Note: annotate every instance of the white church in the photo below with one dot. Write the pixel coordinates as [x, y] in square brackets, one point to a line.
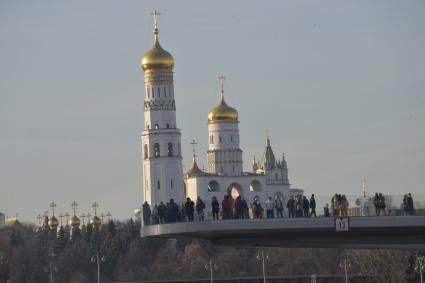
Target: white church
[163, 177]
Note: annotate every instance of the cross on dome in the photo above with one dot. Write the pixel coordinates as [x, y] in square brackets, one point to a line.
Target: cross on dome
[155, 15]
[193, 143]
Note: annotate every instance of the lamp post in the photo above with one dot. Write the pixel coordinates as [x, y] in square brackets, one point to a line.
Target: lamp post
[345, 265]
[261, 256]
[210, 266]
[98, 259]
[420, 266]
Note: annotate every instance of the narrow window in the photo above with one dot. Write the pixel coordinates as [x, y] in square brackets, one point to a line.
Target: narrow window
[170, 149]
[168, 126]
[153, 93]
[156, 150]
[220, 139]
[156, 126]
[172, 185]
[146, 154]
[159, 185]
[159, 92]
[231, 138]
[147, 126]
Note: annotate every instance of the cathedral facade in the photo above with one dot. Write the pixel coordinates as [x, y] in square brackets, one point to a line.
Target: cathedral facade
[163, 178]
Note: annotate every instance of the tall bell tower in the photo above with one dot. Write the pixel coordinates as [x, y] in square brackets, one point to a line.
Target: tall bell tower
[161, 139]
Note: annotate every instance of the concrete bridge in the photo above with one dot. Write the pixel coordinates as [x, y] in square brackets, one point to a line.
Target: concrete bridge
[388, 232]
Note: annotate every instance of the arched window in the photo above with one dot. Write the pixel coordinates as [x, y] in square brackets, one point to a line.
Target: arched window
[153, 93]
[180, 149]
[145, 151]
[156, 152]
[167, 125]
[220, 139]
[156, 126]
[255, 186]
[170, 149]
[147, 126]
[159, 185]
[172, 184]
[231, 138]
[213, 186]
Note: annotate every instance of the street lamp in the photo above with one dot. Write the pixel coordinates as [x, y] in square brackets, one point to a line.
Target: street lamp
[261, 256]
[98, 259]
[346, 265]
[420, 266]
[210, 266]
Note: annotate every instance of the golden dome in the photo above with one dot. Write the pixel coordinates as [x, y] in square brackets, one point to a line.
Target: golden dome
[95, 221]
[223, 113]
[194, 170]
[53, 222]
[74, 222]
[157, 58]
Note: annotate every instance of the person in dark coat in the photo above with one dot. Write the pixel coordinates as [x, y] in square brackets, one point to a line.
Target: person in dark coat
[326, 210]
[146, 213]
[161, 212]
[172, 210]
[244, 208]
[313, 206]
[410, 205]
[306, 206]
[290, 205]
[279, 207]
[215, 208]
[376, 203]
[189, 209]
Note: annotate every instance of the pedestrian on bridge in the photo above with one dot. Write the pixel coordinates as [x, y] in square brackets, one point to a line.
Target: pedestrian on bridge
[290, 205]
[313, 206]
[306, 206]
[189, 208]
[279, 207]
[215, 208]
[200, 209]
[269, 207]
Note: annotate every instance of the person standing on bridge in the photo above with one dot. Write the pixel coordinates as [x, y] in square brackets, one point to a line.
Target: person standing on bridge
[279, 207]
[161, 212]
[215, 208]
[243, 206]
[381, 204]
[200, 207]
[290, 205]
[410, 205]
[306, 207]
[326, 210]
[226, 208]
[189, 209]
[269, 207]
[313, 206]
[376, 203]
[146, 213]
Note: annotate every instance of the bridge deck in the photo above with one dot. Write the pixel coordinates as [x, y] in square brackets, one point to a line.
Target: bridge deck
[397, 232]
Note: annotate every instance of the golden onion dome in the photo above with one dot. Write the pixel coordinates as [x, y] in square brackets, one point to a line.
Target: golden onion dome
[75, 221]
[157, 58]
[194, 170]
[53, 222]
[223, 113]
[95, 221]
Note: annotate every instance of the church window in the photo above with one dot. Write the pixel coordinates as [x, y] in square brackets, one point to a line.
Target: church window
[220, 139]
[159, 92]
[145, 149]
[156, 150]
[172, 185]
[153, 93]
[213, 186]
[159, 185]
[156, 126]
[231, 138]
[168, 126]
[165, 91]
[147, 126]
[170, 149]
[180, 149]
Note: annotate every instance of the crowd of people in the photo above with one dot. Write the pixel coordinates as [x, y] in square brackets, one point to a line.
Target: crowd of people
[228, 208]
[239, 208]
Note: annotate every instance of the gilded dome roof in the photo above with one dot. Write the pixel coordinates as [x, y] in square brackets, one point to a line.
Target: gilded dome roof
[53, 222]
[223, 113]
[194, 170]
[157, 58]
[95, 221]
[75, 221]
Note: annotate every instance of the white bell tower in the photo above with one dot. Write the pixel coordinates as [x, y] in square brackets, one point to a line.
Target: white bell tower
[161, 139]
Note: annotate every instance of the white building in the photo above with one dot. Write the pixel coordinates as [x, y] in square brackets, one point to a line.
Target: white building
[162, 162]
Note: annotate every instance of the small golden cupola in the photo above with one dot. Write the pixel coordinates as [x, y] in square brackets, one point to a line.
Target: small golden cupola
[95, 221]
[157, 59]
[53, 222]
[223, 113]
[75, 221]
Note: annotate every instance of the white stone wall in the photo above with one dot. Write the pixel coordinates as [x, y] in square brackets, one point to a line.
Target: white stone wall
[224, 154]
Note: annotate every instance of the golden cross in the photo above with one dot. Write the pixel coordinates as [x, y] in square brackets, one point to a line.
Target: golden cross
[52, 206]
[95, 207]
[155, 15]
[193, 143]
[221, 78]
[74, 205]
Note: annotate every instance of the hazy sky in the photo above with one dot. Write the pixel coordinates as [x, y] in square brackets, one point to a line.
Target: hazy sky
[340, 85]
